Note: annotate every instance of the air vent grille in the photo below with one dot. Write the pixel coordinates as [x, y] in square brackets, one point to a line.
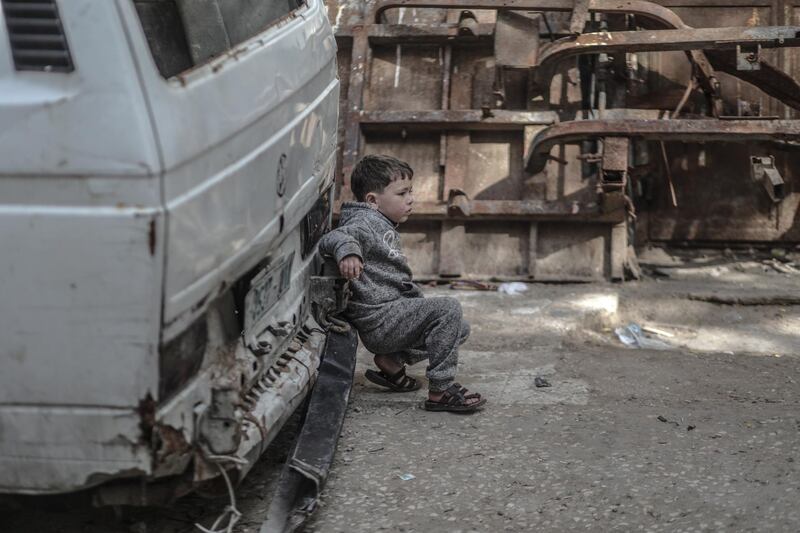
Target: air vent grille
[37, 36]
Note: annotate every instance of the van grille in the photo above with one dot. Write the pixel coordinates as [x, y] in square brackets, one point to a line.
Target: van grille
[37, 36]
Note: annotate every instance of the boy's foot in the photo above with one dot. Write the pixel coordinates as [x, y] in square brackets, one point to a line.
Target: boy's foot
[391, 375]
[456, 399]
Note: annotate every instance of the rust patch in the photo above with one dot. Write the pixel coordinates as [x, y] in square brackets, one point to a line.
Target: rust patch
[171, 443]
[147, 417]
[151, 237]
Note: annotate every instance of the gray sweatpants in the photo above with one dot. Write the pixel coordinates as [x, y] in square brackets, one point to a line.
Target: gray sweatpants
[414, 329]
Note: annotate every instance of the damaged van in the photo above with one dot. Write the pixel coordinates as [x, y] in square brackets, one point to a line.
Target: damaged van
[166, 170]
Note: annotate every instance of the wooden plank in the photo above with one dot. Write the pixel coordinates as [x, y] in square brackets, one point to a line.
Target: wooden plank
[533, 248]
[495, 160]
[619, 250]
[496, 248]
[457, 162]
[420, 240]
[343, 57]
[355, 96]
[580, 15]
[404, 78]
[571, 252]
[451, 249]
[456, 167]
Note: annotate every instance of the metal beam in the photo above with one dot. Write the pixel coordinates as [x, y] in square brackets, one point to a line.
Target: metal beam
[768, 78]
[649, 10]
[666, 40]
[437, 120]
[516, 210]
[735, 131]
[385, 34]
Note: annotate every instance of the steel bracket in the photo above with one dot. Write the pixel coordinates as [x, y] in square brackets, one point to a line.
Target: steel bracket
[763, 171]
[748, 57]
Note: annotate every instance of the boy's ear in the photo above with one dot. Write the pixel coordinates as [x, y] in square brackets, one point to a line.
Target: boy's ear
[371, 199]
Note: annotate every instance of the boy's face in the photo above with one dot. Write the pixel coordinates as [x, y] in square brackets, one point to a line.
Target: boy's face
[394, 201]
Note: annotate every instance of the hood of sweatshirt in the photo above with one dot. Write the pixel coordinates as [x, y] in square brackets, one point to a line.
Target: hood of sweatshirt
[355, 212]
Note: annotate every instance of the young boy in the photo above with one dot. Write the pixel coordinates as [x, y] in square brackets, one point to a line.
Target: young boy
[393, 318]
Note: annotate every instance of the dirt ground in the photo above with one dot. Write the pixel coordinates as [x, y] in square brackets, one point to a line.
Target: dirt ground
[698, 431]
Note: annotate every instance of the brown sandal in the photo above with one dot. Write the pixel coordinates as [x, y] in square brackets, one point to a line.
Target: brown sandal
[456, 399]
[398, 382]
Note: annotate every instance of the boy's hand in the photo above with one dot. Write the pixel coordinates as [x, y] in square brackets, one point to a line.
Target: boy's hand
[351, 267]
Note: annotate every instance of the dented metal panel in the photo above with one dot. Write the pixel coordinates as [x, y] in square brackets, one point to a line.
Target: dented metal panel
[238, 178]
[45, 449]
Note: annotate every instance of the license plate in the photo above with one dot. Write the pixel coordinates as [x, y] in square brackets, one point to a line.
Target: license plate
[266, 290]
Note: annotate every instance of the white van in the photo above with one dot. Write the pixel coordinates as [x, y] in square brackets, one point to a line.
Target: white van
[166, 169]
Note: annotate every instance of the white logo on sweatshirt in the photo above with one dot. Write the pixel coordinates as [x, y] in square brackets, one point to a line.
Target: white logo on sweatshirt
[391, 241]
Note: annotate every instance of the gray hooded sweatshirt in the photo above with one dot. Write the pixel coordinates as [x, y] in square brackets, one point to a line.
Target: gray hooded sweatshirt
[367, 233]
[389, 311]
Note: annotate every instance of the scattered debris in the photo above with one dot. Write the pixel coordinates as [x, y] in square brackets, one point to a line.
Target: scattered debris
[778, 253]
[513, 288]
[541, 382]
[734, 298]
[656, 331]
[690, 427]
[664, 419]
[471, 285]
[783, 268]
[407, 477]
[633, 336]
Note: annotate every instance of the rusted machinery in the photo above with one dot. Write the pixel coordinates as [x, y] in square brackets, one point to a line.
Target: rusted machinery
[548, 135]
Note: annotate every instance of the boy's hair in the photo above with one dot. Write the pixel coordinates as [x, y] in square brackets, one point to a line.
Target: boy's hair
[374, 172]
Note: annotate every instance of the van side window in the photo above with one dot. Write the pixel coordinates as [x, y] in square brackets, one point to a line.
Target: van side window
[186, 33]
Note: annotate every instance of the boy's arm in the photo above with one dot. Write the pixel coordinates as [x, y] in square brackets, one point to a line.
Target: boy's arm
[342, 242]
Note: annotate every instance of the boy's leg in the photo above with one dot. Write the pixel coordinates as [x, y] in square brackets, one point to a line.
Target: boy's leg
[413, 356]
[446, 333]
[435, 323]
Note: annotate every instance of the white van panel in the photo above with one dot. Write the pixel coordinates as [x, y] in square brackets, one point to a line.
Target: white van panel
[82, 231]
[50, 122]
[222, 167]
[50, 452]
[80, 304]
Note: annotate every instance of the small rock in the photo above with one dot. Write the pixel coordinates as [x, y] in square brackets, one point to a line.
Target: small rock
[778, 253]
